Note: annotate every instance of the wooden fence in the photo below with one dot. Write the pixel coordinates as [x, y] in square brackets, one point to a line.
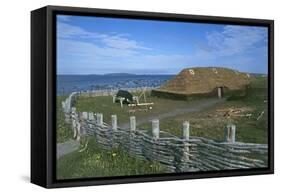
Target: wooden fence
[178, 154]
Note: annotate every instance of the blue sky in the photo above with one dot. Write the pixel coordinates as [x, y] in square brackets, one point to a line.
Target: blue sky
[96, 45]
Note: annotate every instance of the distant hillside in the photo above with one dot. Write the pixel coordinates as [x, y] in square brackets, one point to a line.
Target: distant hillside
[119, 74]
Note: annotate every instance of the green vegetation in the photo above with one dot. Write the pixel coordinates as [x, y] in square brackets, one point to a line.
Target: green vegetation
[256, 98]
[96, 162]
[64, 132]
[210, 123]
[104, 104]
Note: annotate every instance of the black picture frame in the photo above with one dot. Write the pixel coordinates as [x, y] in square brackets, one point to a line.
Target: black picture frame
[43, 95]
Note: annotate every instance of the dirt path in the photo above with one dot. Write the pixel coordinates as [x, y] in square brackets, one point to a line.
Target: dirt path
[67, 147]
[198, 106]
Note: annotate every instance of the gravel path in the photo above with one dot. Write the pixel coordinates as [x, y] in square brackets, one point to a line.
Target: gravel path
[67, 147]
[200, 105]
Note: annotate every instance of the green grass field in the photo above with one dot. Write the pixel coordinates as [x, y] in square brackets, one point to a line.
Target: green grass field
[104, 104]
[95, 162]
[208, 124]
[63, 130]
[204, 123]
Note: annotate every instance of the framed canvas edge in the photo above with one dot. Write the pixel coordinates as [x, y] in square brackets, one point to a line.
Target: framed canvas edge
[51, 109]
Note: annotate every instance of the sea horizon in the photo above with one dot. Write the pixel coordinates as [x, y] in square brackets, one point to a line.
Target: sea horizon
[71, 83]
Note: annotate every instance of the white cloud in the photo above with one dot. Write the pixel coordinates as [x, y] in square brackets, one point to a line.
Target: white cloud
[81, 51]
[65, 30]
[116, 41]
[68, 47]
[234, 39]
[120, 42]
[86, 57]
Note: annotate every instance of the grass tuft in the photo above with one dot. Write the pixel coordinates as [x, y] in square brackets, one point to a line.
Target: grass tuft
[64, 132]
[97, 162]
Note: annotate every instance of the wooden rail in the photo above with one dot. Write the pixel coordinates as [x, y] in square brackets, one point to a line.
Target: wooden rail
[178, 154]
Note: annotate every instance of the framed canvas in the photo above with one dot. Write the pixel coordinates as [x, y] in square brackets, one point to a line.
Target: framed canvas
[126, 96]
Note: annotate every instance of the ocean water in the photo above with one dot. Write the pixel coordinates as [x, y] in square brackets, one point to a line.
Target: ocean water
[70, 83]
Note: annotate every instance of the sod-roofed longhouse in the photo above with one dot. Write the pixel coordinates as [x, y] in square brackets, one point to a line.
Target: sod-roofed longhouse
[203, 81]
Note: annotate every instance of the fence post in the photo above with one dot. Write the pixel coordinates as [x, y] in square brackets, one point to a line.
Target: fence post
[181, 158]
[185, 130]
[74, 128]
[84, 115]
[91, 119]
[114, 122]
[121, 102]
[227, 133]
[132, 123]
[155, 128]
[78, 125]
[113, 98]
[63, 106]
[232, 135]
[91, 116]
[230, 131]
[67, 105]
[100, 119]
